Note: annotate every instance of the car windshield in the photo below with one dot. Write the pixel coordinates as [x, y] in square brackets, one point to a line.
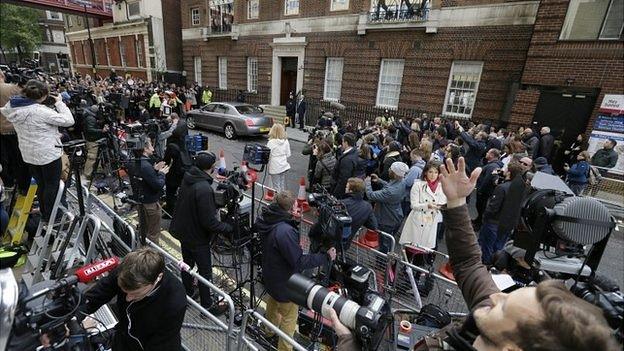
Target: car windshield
[247, 109]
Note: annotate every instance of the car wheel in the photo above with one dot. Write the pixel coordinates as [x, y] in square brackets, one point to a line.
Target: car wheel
[229, 131]
[190, 123]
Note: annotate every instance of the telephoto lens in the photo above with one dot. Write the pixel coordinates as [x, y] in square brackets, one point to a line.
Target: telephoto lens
[364, 320]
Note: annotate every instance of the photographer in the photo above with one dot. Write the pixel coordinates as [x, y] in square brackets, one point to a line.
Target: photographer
[37, 128]
[150, 303]
[346, 165]
[282, 257]
[502, 212]
[360, 210]
[545, 317]
[151, 182]
[388, 201]
[195, 224]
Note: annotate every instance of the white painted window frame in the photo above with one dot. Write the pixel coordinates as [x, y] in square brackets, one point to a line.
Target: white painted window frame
[379, 102]
[448, 89]
[329, 62]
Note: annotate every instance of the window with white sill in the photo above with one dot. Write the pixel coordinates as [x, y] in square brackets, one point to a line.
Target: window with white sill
[253, 9]
[195, 17]
[223, 73]
[593, 20]
[390, 78]
[252, 74]
[291, 7]
[463, 85]
[333, 78]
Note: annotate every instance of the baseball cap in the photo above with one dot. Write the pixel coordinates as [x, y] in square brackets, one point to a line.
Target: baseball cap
[205, 160]
[399, 168]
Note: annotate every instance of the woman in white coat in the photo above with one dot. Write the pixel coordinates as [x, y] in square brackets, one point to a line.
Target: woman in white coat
[278, 160]
[426, 199]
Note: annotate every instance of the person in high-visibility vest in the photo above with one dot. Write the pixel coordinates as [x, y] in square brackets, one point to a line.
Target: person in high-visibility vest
[206, 96]
[155, 103]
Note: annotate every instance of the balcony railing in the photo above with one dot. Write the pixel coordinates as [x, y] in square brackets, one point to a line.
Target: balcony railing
[393, 14]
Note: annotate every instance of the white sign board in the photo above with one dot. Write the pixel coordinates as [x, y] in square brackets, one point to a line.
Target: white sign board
[612, 104]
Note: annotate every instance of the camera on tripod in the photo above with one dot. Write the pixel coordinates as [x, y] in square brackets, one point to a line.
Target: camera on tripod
[359, 308]
[334, 220]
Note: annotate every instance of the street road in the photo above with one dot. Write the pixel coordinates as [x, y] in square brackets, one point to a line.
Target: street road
[612, 264]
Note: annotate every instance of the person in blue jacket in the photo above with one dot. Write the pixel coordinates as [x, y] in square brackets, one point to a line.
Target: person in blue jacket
[578, 174]
[282, 256]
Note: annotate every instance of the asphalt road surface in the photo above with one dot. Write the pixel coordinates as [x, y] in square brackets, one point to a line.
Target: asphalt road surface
[611, 265]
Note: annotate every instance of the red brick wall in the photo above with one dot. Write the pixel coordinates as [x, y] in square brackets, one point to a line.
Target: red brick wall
[428, 60]
[550, 62]
[173, 35]
[113, 47]
[453, 3]
[79, 58]
[105, 72]
[100, 47]
[185, 12]
[130, 50]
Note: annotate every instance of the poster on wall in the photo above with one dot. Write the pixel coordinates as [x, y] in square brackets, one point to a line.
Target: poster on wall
[596, 142]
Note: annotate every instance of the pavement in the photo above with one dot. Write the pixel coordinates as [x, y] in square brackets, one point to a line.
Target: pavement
[611, 265]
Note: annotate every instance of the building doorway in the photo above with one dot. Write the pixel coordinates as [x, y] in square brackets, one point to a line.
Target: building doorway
[289, 78]
[566, 113]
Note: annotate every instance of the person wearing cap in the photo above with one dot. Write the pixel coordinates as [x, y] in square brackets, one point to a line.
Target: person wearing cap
[195, 224]
[426, 199]
[541, 165]
[387, 201]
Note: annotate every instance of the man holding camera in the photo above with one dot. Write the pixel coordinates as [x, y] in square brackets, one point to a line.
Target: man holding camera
[195, 224]
[151, 180]
[92, 133]
[150, 303]
[282, 257]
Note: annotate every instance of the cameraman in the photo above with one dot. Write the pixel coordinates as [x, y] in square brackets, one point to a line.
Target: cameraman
[92, 133]
[150, 303]
[360, 210]
[37, 128]
[149, 190]
[282, 257]
[195, 224]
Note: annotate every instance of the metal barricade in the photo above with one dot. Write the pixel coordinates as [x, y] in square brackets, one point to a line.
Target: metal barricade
[200, 327]
[267, 324]
[608, 189]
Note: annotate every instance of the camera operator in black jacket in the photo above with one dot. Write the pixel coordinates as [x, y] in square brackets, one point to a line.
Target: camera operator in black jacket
[150, 180]
[179, 158]
[150, 303]
[92, 133]
[195, 224]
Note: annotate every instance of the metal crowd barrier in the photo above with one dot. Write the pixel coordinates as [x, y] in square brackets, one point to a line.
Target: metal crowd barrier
[609, 189]
[249, 313]
[399, 277]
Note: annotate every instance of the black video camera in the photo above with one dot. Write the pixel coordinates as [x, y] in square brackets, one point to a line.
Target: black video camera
[334, 221]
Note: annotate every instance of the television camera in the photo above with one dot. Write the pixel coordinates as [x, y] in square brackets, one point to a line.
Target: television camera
[51, 309]
[361, 309]
[334, 222]
[564, 236]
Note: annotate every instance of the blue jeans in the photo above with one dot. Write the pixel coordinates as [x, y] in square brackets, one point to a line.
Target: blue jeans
[491, 241]
[202, 256]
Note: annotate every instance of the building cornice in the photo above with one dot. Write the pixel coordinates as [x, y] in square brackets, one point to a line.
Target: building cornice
[503, 14]
[122, 29]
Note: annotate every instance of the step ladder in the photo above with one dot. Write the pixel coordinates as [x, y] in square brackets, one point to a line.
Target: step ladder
[17, 223]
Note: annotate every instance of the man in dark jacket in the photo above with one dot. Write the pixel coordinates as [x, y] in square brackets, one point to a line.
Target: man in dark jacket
[502, 212]
[546, 144]
[530, 141]
[360, 210]
[606, 157]
[147, 183]
[92, 133]
[485, 183]
[291, 107]
[195, 224]
[150, 303]
[144, 114]
[282, 257]
[302, 106]
[177, 156]
[346, 165]
[476, 149]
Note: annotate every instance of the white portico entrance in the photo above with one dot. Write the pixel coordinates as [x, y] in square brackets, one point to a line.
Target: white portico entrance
[287, 70]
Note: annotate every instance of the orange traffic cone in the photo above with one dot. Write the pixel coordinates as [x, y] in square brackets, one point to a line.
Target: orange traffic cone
[302, 201]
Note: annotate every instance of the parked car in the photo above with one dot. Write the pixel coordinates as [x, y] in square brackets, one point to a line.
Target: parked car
[231, 118]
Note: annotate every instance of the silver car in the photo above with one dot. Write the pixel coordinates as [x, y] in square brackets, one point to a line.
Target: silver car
[231, 118]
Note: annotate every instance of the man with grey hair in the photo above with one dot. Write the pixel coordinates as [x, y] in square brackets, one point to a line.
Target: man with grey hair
[388, 200]
[545, 146]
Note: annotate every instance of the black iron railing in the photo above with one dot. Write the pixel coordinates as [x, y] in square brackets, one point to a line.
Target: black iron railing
[406, 12]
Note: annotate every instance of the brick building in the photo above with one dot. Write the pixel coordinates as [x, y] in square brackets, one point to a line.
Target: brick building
[143, 40]
[442, 57]
[576, 56]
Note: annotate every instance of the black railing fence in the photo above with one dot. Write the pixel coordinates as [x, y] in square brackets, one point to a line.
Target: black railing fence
[257, 98]
[399, 11]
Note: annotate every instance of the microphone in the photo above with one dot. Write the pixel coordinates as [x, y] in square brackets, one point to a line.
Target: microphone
[86, 274]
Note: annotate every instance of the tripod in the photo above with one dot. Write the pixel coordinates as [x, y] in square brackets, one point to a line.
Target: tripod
[105, 160]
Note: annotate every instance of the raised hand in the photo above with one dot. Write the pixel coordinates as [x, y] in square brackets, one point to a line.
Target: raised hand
[455, 184]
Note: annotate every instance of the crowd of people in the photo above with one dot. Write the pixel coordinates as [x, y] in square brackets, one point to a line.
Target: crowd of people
[406, 177]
